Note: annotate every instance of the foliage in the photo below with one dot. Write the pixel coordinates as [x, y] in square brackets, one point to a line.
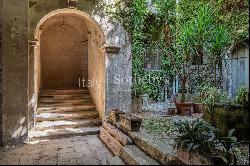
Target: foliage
[227, 148]
[149, 82]
[148, 32]
[185, 31]
[195, 135]
[234, 14]
[218, 44]
[210, 95]
[191, 36]
[218, 24]
[242, 96]
[149, 24]
[158, 126]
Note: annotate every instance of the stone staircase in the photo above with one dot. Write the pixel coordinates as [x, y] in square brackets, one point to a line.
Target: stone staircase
[65, 113]
[122, 134]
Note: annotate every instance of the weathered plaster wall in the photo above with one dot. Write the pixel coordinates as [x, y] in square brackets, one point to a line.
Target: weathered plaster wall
[1, 8]
[40, 9]
[15, 70]
[62, 57]
[118, 69]
[96, 73]
[43, 7]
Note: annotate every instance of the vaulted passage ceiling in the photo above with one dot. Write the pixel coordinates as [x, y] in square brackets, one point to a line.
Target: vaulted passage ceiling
[63, 20]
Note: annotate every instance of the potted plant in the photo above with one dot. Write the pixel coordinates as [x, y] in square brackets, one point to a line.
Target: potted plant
[181, 62]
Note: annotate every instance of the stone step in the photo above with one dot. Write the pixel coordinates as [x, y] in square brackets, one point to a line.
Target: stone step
[66, 116]
[161, 150]
[62, 133]
[63, 92]
[65, 97]
[132, 155]
[79, 108]
[74, 123]
[49, 105]
[56, 101]
[90, 107]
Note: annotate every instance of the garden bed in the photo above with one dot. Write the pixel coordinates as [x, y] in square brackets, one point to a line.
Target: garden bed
[161, 128]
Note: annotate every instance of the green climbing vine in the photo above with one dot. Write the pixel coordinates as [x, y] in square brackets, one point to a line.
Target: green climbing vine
[150, 24]
[209, 25]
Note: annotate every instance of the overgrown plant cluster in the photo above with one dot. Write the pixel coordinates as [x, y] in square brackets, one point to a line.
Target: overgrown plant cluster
[203, 36]
[187, 32]
[197, 135]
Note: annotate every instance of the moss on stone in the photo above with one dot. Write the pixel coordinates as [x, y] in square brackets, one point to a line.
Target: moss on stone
[226, 117]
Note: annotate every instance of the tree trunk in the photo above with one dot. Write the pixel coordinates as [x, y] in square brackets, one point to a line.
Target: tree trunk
[215, 73]
[220, 78]
[183, 83]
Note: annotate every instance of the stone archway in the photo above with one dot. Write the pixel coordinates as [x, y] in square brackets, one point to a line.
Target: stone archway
[21, 89]
[70, 46]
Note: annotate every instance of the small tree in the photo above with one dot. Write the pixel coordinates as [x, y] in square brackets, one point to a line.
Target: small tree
[181, 61]
[217, 47]
[191, 37]
[203, 24]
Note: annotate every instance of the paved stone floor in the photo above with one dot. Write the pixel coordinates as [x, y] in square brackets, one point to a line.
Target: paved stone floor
[82, 150]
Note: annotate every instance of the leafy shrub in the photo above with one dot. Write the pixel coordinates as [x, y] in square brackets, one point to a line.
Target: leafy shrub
[227, 147]
[211, 95]
[194, 135]
[198, 135]
[242, 96]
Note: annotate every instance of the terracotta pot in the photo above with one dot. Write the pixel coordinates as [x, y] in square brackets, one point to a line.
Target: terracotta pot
[181, 105]
[186, 111]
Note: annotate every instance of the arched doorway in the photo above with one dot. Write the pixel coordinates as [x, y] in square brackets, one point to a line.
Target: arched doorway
[69, 55]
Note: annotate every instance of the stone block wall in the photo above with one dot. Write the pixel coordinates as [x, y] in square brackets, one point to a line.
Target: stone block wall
[1, 6]
[15, 71]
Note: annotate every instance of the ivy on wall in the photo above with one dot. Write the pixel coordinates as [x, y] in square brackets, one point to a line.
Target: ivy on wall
[149, 24]
[159, 23]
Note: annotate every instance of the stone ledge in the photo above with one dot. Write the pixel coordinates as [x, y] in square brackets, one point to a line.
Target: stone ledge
[162, 151]
[130, 122]
[134, 156]
[33, 42]
[114, 49]
[114, 145]
[114, 115]
[120, 136]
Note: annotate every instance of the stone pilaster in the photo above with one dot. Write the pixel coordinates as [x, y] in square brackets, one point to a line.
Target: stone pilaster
[32, 97]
